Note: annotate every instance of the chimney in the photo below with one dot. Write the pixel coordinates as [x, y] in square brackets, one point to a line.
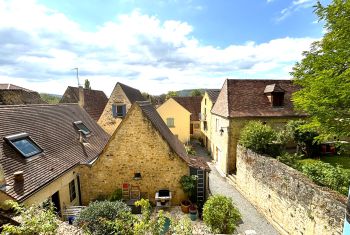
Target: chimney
[81, 96]
[2, 178]
[18, 176]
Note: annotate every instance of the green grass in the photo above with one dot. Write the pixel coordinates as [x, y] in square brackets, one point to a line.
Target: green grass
[344, 161]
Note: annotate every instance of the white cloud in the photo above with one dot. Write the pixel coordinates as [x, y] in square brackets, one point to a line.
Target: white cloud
[296, 5]
[40, 47]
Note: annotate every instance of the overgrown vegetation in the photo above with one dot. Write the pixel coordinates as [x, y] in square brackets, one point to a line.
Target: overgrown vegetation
[260, 138]
[116, 195]
[97, 216]
[190, 150]
[50, 99]
[34, 220]
[188, 184]
[220, 215]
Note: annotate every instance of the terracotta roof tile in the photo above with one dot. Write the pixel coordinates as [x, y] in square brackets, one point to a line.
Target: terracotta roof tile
[174, 143]
[51, 127]
[192, 104]
[246, 98]
[94, 100]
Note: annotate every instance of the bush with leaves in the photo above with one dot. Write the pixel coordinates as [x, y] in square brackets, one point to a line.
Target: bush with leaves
[181, 226]
[97, 216]
[289, 159]
[220, 215]
[116, 195]
[260, 138]
[34, 220]
[324, 174]
[188, 184]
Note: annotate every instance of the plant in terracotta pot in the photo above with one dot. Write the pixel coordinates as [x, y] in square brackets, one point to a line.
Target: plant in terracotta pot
[193, 212]
[188, 184]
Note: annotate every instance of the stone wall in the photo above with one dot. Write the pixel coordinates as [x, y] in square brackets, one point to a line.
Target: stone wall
[135, 147]
[287, 198]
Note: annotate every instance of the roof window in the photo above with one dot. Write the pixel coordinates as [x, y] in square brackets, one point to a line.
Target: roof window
[275, 94]
[81, 127]
[23, 144]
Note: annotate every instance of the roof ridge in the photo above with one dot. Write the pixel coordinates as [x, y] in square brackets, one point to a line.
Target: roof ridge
[28, 105]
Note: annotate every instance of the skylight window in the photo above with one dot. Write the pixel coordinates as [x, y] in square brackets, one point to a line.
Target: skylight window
[23, 144]
[81, 127]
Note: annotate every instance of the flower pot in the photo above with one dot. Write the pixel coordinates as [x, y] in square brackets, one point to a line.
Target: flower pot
[193, 215]
[185, 205]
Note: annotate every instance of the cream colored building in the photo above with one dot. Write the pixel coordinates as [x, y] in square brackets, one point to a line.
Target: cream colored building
[207, 104]
[118, 105]
[40, 155]
[177, 118]
[241, 101]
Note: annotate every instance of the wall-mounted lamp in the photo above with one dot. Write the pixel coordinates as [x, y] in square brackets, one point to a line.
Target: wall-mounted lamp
[222, 130]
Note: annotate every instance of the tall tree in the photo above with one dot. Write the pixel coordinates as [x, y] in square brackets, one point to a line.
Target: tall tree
[87, 84]
[196, 92]
[324, 73]
[171, 94]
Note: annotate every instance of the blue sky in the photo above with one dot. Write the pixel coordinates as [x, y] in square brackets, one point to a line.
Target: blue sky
[154, 46]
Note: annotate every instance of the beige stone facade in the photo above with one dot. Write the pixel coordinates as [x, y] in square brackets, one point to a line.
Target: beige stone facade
[135, 147]
[107, 121]
[206, 130]
[224, 143]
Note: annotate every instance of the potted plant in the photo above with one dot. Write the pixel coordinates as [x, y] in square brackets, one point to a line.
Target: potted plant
[193, 212]
[188, 184]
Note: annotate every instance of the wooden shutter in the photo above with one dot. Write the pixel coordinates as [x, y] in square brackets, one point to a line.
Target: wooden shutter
[124, 110]
[114, 110]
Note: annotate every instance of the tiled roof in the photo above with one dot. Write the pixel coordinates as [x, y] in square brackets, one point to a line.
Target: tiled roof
[192, 104]
[174, 143]
[132, 93]
[246, 98]
[213, 94]
[94, 100]
[8, 86]
[51, 127]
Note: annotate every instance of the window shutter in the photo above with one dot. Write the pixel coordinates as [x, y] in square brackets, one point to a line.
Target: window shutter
[124, 110]
[114, 110]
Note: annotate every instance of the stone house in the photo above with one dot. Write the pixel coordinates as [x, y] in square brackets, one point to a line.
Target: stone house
[143, 153]
[181, 114]
[118, 105]
[241, 101]
[14, 95]
[41, 149]
[93, 101]
[207, 104]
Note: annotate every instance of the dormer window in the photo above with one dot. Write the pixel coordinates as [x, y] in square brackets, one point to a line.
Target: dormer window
[81, 127]
[275, 94]
[119, 110]
[23, 144]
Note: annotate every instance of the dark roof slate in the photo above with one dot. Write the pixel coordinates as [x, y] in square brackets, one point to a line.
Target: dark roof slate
[213, 94]
[153, 116]
[94, 100]
[51, 127]
[132, 93]
[192, 104]
[246, 98]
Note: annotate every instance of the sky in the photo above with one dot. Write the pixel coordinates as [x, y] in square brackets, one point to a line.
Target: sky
[154, 46]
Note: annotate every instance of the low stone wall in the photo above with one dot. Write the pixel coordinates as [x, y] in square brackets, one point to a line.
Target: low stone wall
[287, 198]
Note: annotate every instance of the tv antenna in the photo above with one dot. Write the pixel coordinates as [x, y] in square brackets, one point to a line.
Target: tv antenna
[77, 69]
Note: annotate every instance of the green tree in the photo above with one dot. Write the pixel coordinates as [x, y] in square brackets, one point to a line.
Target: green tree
[196, 92]
[171, 94]
[324, 74]
[50, 99]
[87, 84]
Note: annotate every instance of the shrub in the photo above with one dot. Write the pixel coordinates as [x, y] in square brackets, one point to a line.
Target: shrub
[220, 215]
[260, 138]
[291, 160]
[188, 184]
[181, 227]
[96, 217]
[324, 174]
[34, 220]
[116, 195]
[190, 150]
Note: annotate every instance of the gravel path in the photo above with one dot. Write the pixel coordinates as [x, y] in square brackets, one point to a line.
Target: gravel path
[252, 219]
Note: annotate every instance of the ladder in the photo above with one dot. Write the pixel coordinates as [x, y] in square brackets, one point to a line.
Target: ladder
[200, 187]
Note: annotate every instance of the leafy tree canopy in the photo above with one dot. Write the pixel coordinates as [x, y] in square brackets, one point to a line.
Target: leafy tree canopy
[87, 84]
[324, 74]
[171, 94]
[196, 92]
